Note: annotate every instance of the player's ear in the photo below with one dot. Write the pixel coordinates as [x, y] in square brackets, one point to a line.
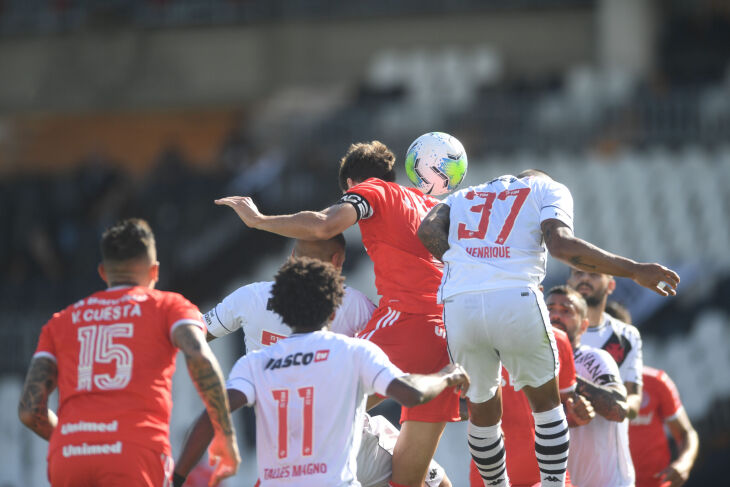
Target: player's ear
[102, 272]
[154, 272]
[611, 285]
[584, 325]
[338, 259]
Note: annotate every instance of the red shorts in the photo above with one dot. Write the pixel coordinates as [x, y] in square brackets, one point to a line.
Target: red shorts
[134, 466]
[416, 344]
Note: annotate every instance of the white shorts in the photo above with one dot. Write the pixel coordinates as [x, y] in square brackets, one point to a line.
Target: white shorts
[375, 457]
[510, 326]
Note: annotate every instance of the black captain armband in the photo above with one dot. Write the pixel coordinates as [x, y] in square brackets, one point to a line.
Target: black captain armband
[361, 205]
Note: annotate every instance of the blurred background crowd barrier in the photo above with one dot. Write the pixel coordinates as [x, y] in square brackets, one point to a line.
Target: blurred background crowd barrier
[153, 108]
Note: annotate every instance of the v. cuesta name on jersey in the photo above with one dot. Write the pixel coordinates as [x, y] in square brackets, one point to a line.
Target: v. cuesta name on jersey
[107, 313]
[500, 252]
[298, 358]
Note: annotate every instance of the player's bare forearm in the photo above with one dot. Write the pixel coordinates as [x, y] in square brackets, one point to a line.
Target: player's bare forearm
[687, 442]
[414, 389]
[306, 225]
[609, 402]
[33, 407]
[434, 230]
[195, 445]
[206, 375]
[564, 246]
[201, 434]
[633, 399]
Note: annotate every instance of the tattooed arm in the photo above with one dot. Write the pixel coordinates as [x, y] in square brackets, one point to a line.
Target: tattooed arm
[33, 407]
[208, 379]
[564, 246]
[608, 401]
[434, 230]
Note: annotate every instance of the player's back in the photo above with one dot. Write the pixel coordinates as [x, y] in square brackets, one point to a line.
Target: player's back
[115, 362]
[248, 308]
[309, 391]
[495, 237]
[406, 274]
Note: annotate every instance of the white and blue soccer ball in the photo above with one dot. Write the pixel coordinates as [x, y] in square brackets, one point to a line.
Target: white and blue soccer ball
[436, 163]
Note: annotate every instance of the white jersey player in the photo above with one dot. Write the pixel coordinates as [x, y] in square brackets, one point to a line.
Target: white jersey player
[493, 239]
[623, 342]
[247, 308]
[600, 453]
[309, 389]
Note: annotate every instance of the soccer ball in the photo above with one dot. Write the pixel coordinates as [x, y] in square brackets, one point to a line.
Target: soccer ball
[436, 163]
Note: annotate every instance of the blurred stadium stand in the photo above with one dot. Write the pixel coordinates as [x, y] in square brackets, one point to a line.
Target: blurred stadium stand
[646, 155]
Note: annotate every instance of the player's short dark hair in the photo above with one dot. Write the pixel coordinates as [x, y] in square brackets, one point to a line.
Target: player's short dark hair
[306, 292]
[126, 240]
[575, 296]
[618, 311]
[532, 172]
[366, 160]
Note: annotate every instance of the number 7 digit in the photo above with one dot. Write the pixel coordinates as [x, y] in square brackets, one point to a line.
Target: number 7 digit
[521, 196]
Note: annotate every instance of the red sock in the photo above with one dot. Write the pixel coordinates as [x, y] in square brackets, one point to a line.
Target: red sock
[393, 484]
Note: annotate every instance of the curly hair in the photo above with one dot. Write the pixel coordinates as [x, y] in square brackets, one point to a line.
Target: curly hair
[306, 292]
[127, 239]
[367, 160]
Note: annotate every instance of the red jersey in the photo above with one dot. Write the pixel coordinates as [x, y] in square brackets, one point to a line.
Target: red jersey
[647, 440]
[518, 424]
[115, 362]
[407, 276]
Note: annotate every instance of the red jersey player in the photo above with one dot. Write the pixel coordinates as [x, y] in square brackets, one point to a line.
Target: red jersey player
[112, 356]
[660, 405]
[518, 424]
[408, 324]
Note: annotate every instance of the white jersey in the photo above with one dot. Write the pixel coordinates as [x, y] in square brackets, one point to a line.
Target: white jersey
[599, 451]
[309, 392]
[247, 308]
[623, 342]
[375, 458]
[495, 239]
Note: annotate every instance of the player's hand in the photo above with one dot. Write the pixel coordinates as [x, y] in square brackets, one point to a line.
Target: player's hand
[244, 207]
[223, 457]
[580, 410]
[658, 278]
[674, 475]
[456, 376]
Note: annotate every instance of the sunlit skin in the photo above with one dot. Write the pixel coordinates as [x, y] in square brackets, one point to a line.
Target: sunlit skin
[564, 315]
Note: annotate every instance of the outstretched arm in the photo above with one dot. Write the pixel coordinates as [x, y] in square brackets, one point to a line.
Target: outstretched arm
[434, 230]
[33, 407]
[608, 401]
[414, 389]
[688, 442]
[307, 225]
[564, 246]
[208, 379]
[200, 436]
